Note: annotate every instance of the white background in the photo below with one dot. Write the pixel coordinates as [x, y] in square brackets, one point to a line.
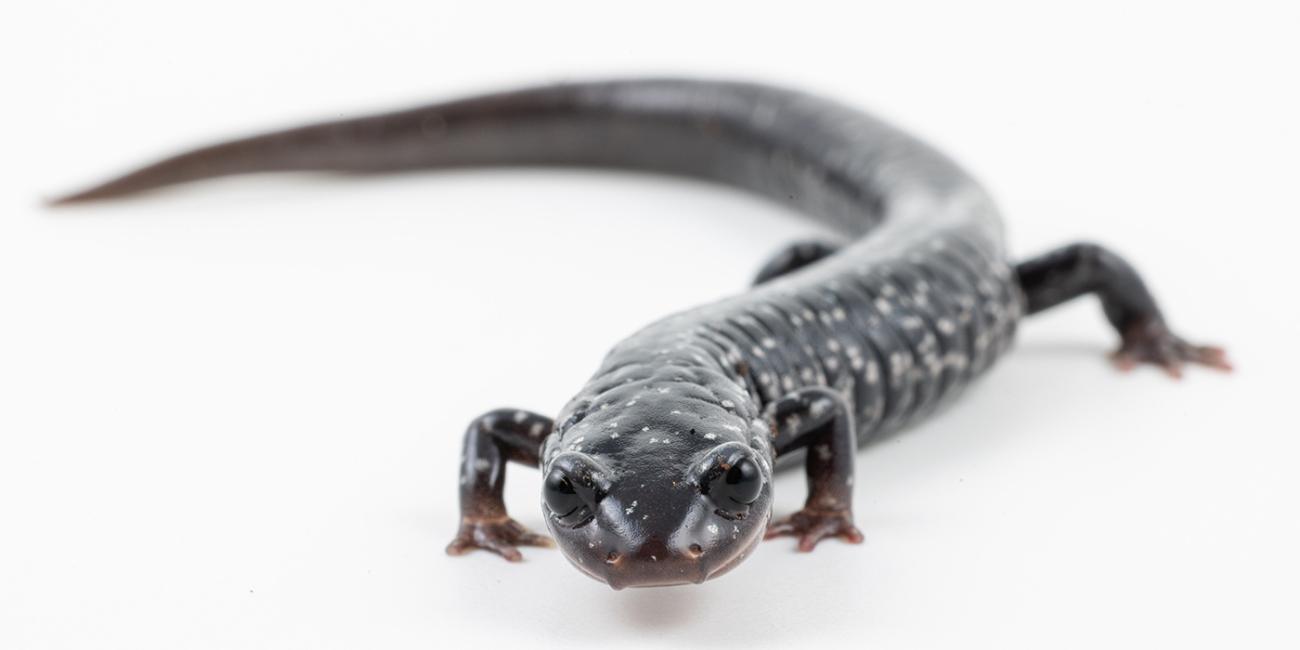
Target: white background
[230, 413]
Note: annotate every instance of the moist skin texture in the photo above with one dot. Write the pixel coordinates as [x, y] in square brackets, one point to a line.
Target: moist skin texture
[658, 472]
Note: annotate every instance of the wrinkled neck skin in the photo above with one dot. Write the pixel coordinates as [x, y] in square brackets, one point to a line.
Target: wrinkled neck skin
[668, 411]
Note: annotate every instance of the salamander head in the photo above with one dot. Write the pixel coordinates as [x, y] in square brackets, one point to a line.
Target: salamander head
[656, 505]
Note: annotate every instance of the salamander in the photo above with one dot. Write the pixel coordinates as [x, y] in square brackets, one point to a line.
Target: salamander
[659, 471]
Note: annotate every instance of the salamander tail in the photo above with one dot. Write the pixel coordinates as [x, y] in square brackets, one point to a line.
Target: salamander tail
[260, 153]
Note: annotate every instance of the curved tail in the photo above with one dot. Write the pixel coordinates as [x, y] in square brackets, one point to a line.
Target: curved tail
[816, 155]
[424, 137]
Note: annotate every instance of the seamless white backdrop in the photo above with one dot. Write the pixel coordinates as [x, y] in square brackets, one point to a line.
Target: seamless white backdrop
[230, 413]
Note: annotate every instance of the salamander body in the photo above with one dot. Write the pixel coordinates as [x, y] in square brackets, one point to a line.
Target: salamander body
[659, 470]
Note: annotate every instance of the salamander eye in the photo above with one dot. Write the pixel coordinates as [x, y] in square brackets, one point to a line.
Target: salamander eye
[572, 490]
[739, 484]
[560, 496]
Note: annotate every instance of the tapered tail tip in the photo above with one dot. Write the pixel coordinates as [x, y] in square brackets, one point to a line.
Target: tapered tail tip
[96, 193]
[63, 201]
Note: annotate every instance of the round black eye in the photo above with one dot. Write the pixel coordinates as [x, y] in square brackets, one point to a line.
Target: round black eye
[741, 483]
[560, 496]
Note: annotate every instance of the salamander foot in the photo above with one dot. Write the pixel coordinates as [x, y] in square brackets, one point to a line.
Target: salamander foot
[499, 536]
[1150, 341]
[812, 526]
[1082, 269]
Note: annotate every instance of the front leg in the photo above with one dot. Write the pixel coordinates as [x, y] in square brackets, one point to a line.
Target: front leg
[1081, 269]
[818, 419]
[492, 439]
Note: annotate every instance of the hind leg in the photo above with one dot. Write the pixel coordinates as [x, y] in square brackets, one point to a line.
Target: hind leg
[1081, 269]
[794, 257]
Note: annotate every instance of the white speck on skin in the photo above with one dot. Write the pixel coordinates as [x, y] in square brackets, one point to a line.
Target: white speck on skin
[713, 528]
[823, 452]
[628, 510]
[819, 408]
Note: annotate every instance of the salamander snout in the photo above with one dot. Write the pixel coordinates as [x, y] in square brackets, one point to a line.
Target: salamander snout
[651, 526]
[656, 562]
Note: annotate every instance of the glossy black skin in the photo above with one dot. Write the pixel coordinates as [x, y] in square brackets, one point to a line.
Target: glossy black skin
[659, 470]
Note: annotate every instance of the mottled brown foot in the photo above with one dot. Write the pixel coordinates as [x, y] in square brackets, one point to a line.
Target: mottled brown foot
[1152, 342]
[501, 536]
[812, 526]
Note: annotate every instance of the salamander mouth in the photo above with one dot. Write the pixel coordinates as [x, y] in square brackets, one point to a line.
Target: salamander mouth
[734, 560]
[619, 579]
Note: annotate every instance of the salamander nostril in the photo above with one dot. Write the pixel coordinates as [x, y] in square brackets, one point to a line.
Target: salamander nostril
[613, 557]
[695, 550]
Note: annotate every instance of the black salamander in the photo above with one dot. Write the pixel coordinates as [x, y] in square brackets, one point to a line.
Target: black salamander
[659, 471]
